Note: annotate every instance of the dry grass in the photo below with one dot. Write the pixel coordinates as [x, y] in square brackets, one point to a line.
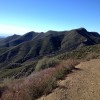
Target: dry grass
[92, 55]
[37, 84]
[81, 85]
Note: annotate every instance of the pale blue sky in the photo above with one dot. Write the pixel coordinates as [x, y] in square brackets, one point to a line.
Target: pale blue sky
[21, 16]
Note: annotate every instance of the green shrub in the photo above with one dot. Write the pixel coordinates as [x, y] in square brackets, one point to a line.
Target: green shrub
[46, 63]
[60, 73]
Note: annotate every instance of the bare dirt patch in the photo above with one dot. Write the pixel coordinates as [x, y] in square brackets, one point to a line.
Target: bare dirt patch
[83, 84]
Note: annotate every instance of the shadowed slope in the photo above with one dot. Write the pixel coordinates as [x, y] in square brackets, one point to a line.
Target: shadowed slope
[31, 47]
[40, 44]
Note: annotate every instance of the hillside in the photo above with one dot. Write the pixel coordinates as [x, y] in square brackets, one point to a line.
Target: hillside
[86, 52]
[20, 54]
[37, 44]
[17, 39]
[5, 41]
[34, 66]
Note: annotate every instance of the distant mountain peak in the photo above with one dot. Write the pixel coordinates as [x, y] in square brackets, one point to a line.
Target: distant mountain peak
[82, 29]
[30, 33]
[50, 31]
[15, 35]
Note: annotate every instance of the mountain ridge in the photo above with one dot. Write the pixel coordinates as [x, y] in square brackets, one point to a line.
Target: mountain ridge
[33, 45]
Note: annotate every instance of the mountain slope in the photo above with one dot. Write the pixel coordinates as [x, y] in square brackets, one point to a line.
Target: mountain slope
[20, 57]
[1, 38]
[34, 44]
[4, 42]
[16, 39]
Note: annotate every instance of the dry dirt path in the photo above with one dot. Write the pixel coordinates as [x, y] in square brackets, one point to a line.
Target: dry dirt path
[83, 84]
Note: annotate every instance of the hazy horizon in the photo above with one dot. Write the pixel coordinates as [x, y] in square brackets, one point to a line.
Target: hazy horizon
[6, 35]
[22, 16]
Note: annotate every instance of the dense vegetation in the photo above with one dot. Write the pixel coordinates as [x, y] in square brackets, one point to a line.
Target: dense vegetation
[37, 84]
[85, 53]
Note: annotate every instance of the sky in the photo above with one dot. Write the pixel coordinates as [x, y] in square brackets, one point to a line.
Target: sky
[22, 16]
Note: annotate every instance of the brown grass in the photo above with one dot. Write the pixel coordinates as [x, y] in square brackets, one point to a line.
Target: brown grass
[92, 55]
[37, 84]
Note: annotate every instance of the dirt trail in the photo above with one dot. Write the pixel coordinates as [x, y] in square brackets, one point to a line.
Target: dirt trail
[83, 84]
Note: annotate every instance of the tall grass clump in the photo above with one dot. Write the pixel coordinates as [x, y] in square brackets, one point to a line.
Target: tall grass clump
[64, 68]
[46, 63]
